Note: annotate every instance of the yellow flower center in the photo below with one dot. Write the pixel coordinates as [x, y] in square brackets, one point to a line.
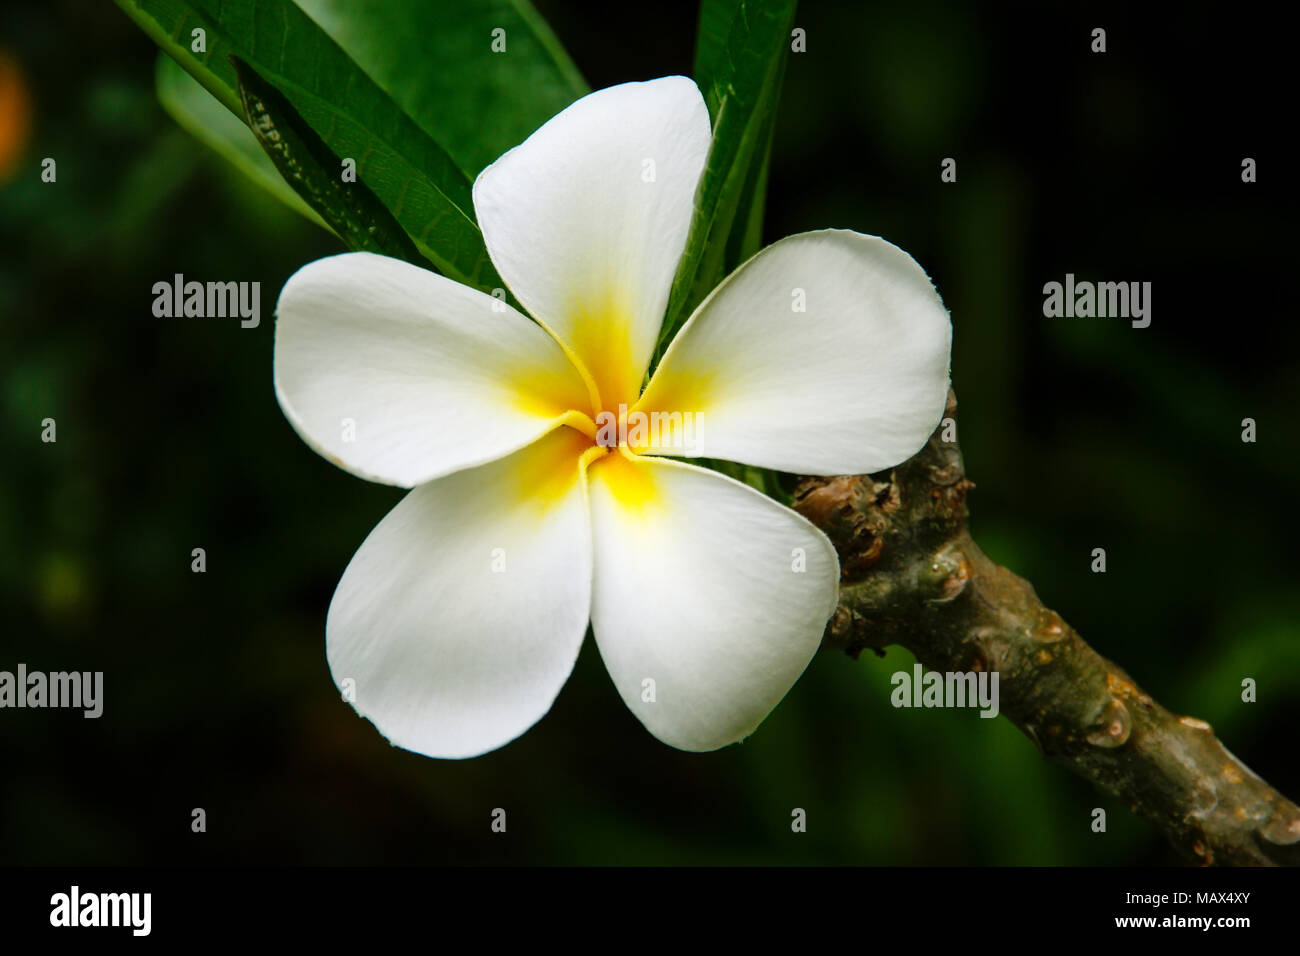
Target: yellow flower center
[611, 431]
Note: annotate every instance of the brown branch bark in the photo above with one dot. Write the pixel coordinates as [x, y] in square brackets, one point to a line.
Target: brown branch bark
[913, 576]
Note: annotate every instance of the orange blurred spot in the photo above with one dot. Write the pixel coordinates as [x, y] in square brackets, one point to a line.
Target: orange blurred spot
[15, 116]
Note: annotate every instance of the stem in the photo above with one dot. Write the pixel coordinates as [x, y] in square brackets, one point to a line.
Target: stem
[913, 576]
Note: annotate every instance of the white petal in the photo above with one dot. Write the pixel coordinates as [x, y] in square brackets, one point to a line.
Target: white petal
[400, 375]
[461, 615]
[853, 384]
[697, 589]
[587, 219]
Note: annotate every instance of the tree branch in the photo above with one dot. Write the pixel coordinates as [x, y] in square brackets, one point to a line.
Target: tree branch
[913, 576]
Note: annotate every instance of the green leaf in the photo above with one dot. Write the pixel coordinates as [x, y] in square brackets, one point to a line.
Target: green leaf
[436, 60]
[711, 40]
[740, 78]
[306, 163]
[747, 232]
[199, 114]
[410, 173]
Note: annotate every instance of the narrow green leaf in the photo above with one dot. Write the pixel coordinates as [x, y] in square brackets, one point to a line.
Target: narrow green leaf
[740, 80]
[204, 118]
[479, 77]
[410, 173]
[316, 174]
[747, 232]
[711, 40]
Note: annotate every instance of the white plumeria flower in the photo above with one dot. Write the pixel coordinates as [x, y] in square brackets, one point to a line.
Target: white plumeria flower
[461, 615]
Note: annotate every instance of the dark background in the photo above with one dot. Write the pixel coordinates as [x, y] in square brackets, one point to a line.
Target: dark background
[1079, 433]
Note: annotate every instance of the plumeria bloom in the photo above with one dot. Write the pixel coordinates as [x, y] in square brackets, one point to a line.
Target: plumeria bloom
[460, 617]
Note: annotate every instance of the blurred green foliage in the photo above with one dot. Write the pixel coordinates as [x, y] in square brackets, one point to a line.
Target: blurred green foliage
[1078, 434]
